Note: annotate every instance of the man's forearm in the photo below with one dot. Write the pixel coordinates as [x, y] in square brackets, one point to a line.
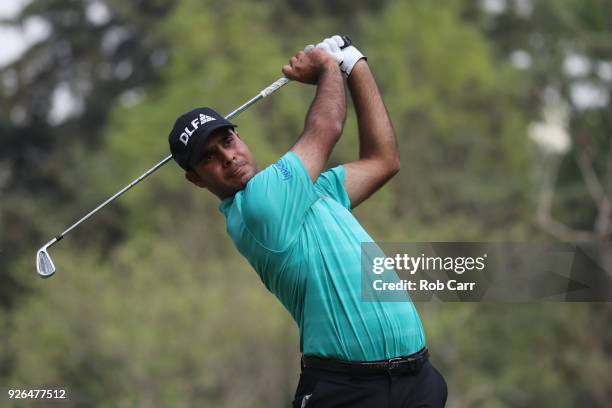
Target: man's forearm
[327, 111]
[376, 134]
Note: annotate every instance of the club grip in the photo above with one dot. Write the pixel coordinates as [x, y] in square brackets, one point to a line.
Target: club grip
[274, 87]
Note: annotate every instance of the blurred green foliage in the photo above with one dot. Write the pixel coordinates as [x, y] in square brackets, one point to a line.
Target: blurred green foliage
[152, 305]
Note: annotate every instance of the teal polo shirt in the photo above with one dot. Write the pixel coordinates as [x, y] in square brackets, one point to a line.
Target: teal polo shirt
[304, 243]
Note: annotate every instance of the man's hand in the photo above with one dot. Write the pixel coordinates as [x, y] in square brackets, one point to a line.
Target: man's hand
[346, 57]
[307, 67]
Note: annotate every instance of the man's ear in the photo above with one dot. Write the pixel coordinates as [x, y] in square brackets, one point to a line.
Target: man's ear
[194, 178]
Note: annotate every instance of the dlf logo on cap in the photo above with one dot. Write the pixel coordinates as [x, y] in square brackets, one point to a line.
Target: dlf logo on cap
[189, 133]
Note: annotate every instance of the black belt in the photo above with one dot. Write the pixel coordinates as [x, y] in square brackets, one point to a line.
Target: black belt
[410, 365]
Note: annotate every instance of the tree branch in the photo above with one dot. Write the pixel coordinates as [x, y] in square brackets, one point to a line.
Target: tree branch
[544, 216]
[597, 192]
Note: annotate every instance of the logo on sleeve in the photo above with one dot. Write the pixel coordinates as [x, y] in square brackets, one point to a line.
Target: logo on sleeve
[284, 171]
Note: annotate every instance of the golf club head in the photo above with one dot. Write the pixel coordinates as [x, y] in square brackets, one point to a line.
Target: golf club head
[44, 264]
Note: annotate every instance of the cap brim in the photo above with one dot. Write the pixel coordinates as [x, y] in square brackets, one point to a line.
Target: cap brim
[196, 154]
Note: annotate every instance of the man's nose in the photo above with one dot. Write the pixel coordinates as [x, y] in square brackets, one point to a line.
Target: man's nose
[227, 157]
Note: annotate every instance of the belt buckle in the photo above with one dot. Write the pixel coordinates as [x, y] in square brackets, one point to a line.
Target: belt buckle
[393, 364]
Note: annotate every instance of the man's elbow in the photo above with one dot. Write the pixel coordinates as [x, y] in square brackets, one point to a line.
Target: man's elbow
[330, 128]
[335, 128]
[384, 167]
[387, 168]
[393, 167]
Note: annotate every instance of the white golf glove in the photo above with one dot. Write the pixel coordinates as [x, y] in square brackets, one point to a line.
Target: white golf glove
[346, 57]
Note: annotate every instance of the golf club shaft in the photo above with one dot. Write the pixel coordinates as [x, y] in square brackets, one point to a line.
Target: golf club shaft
[273, 87]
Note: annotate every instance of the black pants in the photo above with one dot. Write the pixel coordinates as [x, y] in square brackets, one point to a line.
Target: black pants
[325, 389]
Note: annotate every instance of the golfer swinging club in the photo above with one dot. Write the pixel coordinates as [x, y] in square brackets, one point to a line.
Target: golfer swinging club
[292, 221]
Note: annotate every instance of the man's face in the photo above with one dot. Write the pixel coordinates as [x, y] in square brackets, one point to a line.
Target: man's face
[226, 166]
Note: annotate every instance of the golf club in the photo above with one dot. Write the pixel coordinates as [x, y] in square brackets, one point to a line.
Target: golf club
[44, 264]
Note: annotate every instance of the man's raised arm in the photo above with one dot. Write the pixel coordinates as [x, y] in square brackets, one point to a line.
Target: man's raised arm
[327, 113]
[378, 155]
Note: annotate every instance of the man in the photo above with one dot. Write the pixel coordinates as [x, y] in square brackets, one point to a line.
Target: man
[292, 221]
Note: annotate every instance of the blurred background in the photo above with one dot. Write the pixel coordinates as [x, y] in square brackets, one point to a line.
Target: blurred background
[503, 117]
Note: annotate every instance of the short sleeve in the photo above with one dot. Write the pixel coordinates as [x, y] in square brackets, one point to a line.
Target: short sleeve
[276, 200]
[331, 183]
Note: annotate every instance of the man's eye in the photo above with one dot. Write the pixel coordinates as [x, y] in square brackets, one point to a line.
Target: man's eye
[228, 141]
